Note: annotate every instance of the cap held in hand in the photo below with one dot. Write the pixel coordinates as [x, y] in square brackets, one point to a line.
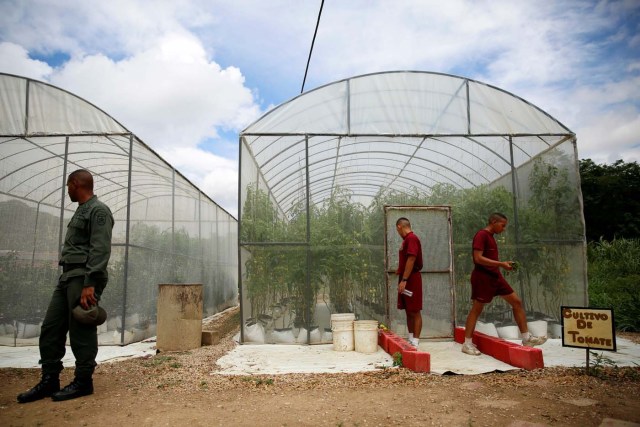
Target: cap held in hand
[95, 315]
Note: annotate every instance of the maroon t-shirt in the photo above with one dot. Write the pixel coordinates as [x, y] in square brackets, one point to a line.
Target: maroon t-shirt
[410, 246]
[485, 242]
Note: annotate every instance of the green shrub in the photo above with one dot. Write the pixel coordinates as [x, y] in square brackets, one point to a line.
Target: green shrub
[614, 280]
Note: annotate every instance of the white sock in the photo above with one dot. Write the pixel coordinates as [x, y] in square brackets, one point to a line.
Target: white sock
[468, 341]
[410, 336]
[525, 335]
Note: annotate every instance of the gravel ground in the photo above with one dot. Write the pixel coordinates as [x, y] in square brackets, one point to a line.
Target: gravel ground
[183, 388]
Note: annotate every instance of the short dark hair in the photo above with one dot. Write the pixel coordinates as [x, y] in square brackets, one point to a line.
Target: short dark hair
[83, 177]
[403, 221]
[497, 216]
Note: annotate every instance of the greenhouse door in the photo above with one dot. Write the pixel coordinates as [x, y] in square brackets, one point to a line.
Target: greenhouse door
[432, 224]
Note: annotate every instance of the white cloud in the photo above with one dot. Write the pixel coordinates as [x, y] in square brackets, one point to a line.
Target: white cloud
[215, 175]
[610, 137]
[114, 28]
[169, 95]
[14, 59]
[174, 72]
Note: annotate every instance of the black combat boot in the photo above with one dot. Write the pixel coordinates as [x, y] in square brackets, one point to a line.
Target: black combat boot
[79, 387]
[48, 385]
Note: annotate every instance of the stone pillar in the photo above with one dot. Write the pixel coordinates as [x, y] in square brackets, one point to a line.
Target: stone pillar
[179, 317]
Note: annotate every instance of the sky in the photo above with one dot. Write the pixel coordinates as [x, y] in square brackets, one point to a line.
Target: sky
[186, 76]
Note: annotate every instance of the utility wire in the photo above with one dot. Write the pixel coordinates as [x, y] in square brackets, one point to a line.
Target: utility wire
[311, 50]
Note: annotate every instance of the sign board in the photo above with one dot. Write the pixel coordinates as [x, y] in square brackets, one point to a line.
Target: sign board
[590, 328]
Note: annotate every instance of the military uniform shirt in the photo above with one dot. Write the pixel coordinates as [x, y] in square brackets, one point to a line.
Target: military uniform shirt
[88, 241]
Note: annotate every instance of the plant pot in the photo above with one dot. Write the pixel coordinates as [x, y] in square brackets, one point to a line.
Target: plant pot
[538, 328]
[508, 332]
[254, 333]
[283, 336]
[487, 329]
[554, 330]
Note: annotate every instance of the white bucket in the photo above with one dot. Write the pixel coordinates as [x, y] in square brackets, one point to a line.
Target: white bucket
[554, 330]
[509, 332]
[342, 317]
[366, 336]
[342, 331]
[283, 336]
[538, 328]
[487, 329]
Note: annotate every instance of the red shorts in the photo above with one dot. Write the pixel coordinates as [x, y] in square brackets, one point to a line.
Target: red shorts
[412, 303]
[485, 286]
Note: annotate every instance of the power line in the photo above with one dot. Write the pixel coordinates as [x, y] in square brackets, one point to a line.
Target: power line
[311, 50]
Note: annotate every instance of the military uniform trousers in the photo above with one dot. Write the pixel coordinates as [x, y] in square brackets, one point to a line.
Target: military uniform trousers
[58, 321]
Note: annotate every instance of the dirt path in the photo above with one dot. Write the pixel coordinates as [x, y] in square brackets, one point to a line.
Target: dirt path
[179, 389]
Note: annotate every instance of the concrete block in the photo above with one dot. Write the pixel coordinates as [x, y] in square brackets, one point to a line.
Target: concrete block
[394, 345]
[210, 337]
[383, 340]
[501, 350]
[528, 358]
[417, 361]
[484, 342]
[514, 354]
[458, 335]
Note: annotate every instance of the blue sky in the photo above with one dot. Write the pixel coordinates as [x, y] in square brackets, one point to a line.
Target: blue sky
[187, 75]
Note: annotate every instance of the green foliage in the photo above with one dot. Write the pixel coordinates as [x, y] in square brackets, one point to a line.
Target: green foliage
[605, 368]
[25, 288]
[614, 280]
[397, 359]
[611, 196]
[549, 226]
[347, 242]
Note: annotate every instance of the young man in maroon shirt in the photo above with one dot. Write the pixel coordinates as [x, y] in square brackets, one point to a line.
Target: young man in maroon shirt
[487, 282]
[409, 266]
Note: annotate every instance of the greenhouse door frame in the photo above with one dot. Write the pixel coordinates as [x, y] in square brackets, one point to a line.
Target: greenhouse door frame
[432, 225]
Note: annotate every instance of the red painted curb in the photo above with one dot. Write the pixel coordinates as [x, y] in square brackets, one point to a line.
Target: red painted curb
[528, 358]
[416, 360]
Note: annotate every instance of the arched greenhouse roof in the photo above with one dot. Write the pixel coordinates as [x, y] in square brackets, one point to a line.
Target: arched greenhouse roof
[395, 131]
[46, 132]
[29, 107]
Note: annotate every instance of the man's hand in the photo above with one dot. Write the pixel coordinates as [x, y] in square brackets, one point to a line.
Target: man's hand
[507, 265]
[88, 297]
[401, 286]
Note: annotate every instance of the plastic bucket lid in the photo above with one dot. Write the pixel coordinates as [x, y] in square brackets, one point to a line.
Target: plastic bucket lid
[365, 325]
[342, 317]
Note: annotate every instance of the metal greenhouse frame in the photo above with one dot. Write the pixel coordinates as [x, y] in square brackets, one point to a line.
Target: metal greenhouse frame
[166, 230]
[316, 172]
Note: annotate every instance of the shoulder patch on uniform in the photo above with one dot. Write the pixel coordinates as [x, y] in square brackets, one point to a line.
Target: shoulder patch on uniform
[101, 218]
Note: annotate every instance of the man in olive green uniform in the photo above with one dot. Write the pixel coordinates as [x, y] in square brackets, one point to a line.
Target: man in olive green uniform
[84, 258]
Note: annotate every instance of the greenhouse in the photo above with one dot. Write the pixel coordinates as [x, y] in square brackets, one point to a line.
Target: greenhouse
[166, 230]
[324, 176]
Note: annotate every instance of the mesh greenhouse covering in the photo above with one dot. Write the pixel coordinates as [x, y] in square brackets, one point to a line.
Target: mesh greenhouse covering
[317, 171]
[166, 230]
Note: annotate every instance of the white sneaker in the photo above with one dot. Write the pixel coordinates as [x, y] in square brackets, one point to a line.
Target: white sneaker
[415, 342]
[470, 349]
[533, 341]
